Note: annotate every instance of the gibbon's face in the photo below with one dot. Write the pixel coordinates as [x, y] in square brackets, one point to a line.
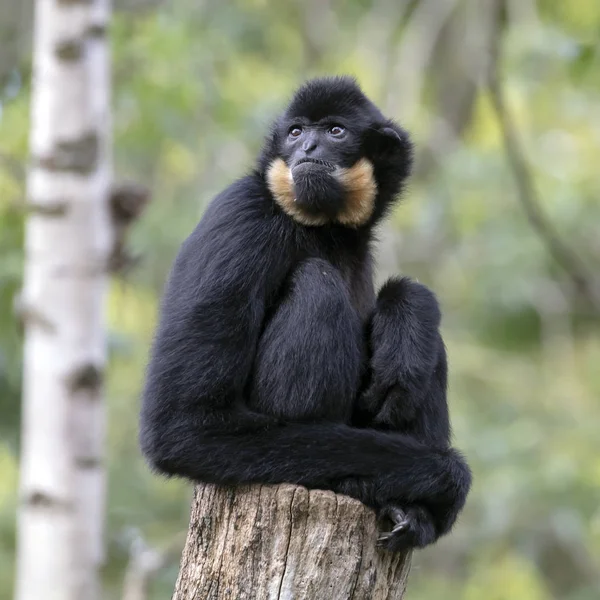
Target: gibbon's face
[320, 169]
[328, 143]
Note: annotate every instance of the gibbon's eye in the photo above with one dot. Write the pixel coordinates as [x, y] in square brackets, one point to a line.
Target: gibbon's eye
[337, 130]
[295, 131]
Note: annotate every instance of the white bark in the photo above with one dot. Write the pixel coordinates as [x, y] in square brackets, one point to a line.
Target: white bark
[89, 448]
[68, 240]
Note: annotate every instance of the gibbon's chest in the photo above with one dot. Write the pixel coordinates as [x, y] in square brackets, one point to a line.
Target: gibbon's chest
[357, 270]
[349, 251]
[359, 277]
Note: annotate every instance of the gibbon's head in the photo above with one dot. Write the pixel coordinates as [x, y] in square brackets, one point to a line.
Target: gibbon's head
[332, 157]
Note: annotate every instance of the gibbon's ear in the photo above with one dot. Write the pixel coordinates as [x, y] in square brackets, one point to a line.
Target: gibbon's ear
[391, 133]
[386, 138]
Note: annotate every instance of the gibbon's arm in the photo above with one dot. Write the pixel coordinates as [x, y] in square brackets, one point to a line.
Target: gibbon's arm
[194, 422]
[211, 315]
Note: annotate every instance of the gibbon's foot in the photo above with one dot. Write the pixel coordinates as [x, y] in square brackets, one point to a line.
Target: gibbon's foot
[412, 527]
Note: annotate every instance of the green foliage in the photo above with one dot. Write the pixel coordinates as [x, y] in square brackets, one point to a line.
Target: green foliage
[13, 143]
[195, 87]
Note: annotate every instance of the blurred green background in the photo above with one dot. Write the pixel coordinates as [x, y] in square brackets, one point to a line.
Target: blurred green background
[502, 219]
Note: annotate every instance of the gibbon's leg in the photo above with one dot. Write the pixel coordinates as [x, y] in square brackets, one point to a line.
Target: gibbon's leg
[406, 352]
[407, 394]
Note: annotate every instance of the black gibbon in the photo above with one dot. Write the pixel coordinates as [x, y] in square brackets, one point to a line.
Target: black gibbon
[275, 360]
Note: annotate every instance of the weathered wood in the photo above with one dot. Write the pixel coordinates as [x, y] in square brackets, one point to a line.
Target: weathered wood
[285, 543]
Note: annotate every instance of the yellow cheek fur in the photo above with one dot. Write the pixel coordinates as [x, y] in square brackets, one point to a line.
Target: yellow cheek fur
[358, 181]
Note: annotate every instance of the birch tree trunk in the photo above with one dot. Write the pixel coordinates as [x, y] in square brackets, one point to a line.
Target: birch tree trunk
[285, 543]
[68, 241]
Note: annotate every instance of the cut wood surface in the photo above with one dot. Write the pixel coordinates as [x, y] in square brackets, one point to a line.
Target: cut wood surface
[285, 543]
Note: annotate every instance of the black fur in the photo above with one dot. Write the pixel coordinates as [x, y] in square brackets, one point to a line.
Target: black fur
[317, 191]
[268, 327]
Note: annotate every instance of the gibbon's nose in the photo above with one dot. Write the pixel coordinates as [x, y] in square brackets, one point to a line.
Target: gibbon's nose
[309, 144]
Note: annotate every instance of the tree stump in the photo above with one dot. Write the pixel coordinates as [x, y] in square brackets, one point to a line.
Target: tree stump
[285, 542]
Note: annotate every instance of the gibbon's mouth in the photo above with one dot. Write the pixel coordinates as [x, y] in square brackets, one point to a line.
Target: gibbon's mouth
[314, 161]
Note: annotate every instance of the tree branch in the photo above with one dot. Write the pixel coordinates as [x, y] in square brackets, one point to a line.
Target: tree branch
[566, 257]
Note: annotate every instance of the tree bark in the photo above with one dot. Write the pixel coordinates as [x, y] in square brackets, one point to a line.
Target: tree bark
[68, 242]
[285, 543]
